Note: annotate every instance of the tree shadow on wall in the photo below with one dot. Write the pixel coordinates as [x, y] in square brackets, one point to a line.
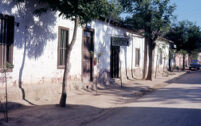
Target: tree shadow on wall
[103, 73]
[32, 34]
[125, 58]
[102, 50]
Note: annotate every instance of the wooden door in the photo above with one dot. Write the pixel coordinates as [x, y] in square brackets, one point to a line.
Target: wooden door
[114, 61]
[87, 56]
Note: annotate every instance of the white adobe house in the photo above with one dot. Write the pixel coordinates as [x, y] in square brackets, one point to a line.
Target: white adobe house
[36, 48]
[118, 50]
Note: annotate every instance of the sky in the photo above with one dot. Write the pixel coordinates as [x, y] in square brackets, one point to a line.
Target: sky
[188, 10]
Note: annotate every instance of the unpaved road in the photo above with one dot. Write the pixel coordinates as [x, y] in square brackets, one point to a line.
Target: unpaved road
[178, 104]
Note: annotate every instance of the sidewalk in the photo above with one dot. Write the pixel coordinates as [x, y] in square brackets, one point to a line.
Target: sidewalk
[83, 106]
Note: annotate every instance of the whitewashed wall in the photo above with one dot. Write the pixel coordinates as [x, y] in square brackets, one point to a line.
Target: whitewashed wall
[103, 34]
[127, 55]
[199, 57]
[36, 43]
[164, 47]
[35, 46]
[136, 42]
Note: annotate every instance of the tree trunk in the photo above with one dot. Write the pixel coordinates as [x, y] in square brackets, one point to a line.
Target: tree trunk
[149, 75]
[145, 59]
[164, 64]
[156, 65]
[67, 59]
[183, 62]
[170, 61]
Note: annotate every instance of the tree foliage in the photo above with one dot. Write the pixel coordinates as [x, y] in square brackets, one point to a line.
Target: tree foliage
[115, 10]
[186, 36]
[153, 18]
[85, 10]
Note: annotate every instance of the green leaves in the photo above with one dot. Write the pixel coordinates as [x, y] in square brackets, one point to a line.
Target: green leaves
[153, 16]
[9, 65]
[85, 10]
[186, 35]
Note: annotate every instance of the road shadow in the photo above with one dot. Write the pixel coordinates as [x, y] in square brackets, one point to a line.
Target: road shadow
[84, 115]
[168, 95]
[190, 77]
[149, 116]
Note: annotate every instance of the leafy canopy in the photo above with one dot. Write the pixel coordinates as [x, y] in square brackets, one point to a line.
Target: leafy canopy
[151, 16]
[186, 36]
[85, 10]
[115, 10]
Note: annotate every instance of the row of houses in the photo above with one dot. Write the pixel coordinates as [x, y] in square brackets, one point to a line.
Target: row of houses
[103, 50]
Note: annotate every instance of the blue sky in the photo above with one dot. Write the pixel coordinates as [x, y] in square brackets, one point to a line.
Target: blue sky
[188, 10]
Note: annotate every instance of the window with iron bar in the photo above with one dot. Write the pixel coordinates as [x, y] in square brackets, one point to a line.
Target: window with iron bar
[137, 57]
[63, 38]
[6, 41]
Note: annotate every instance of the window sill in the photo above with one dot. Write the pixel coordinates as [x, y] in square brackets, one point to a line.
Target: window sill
[60, 67]
[8, 70]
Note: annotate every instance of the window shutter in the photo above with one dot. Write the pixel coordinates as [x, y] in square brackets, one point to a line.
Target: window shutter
[10, 30]
[6, 39]
[137, 57]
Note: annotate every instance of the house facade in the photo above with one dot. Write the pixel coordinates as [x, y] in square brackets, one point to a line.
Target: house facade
[199, 57]
[119, 50]
[179, 61]
[35, 47]
[161, 57]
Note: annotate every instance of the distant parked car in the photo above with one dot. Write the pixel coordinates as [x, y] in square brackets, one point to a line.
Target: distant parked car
[195, 64]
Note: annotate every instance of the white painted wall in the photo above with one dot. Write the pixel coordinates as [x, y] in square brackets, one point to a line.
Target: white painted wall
[129, 52]
[164, 47]
[36, 43]
[35, 46]
[103, 34]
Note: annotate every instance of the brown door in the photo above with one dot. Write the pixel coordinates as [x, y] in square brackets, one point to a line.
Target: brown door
[87, 56]
[114, 61]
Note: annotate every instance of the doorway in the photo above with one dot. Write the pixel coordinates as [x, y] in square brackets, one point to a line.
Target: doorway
[87, 55]
[114, 61]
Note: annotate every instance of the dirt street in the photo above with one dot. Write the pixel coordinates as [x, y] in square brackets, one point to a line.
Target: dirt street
[178, 104]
